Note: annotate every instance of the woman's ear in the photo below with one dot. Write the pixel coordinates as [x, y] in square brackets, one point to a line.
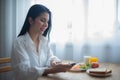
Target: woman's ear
[30, 20]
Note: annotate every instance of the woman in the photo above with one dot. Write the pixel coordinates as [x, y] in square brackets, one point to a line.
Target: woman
[31, 56]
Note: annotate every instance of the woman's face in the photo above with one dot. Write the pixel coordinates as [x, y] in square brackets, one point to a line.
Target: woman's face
[40, 24]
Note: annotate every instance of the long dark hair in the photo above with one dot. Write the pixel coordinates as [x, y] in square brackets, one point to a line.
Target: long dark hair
[34, 12]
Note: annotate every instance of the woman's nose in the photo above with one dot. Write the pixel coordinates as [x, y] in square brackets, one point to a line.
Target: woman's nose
[45, 24]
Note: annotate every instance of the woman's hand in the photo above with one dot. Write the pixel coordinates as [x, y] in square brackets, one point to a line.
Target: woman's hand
[57, 67]
[55, 63]
[61, 67]
[64, 66]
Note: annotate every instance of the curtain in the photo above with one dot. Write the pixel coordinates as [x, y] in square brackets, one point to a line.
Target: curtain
[85, 27]
[7, 31]
[7, 26]
[80, 27]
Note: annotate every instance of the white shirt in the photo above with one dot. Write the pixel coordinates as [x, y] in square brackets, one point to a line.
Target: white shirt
[26, 62]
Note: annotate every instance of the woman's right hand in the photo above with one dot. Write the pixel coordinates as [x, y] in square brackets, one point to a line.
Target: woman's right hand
[58, 67]
[62, 67]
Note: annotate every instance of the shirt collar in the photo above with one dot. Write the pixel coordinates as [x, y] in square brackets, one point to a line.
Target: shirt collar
[42, 39]
[28, 38]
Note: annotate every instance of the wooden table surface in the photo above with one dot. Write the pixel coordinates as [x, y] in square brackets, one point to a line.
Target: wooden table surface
[84, 76]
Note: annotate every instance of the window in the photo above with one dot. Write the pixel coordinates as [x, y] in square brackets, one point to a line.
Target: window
[101, 15]
[79, 20]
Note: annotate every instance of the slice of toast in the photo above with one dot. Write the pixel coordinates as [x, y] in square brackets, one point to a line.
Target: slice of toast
[100, 71]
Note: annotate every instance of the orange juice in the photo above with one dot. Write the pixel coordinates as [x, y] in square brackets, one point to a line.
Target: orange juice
[93, 59]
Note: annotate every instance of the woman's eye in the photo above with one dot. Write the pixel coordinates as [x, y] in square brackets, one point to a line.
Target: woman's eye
[43, 20]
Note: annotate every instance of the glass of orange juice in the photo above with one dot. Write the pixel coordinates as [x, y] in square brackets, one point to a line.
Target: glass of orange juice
[93, 59]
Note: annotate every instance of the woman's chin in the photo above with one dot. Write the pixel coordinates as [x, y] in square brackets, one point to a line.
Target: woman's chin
[41, 33]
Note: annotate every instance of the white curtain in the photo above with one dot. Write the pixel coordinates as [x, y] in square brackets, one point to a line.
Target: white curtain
[80, 27]
[85, 27]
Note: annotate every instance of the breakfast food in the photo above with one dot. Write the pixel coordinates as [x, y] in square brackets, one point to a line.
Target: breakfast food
[75, 67]
[94, 65]
[100, 71]
[80, 67]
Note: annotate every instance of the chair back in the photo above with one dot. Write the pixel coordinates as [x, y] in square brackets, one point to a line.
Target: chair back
[4, 67]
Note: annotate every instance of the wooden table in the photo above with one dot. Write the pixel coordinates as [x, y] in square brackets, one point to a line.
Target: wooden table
[84, 76]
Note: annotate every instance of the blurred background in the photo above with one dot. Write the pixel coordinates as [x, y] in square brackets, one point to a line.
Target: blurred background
[79, 27]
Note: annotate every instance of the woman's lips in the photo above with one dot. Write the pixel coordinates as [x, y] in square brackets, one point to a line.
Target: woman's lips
[42, 30]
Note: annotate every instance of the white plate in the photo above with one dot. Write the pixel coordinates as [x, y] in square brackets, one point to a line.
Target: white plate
[78, 69]
[99, 75]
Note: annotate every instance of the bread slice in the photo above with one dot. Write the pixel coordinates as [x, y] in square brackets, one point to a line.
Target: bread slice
[100, 71]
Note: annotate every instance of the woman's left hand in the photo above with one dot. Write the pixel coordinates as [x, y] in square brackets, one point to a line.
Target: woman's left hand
[55, 63]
